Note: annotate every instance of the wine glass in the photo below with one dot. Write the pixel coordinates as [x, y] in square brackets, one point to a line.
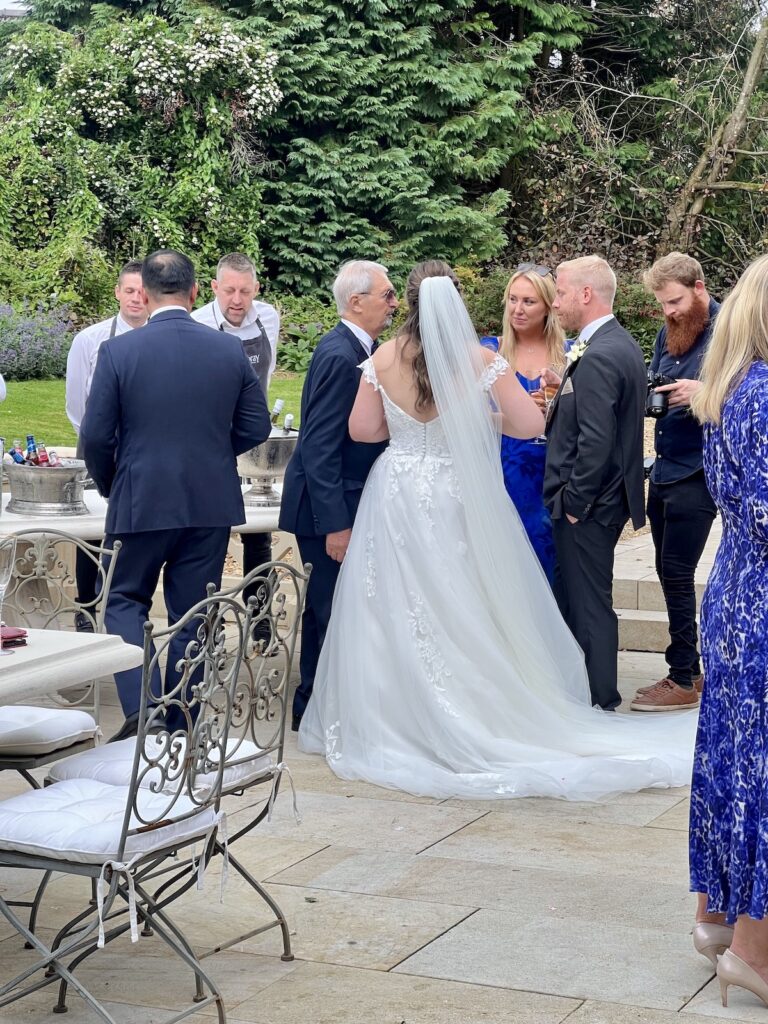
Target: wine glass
[7, 562]
[548, 391]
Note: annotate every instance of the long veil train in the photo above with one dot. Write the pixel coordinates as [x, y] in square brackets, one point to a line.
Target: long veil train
[447, 668]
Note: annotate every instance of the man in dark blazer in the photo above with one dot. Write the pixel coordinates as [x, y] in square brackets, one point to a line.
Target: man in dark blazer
[594, 475]
[171, 407]
[325, 477]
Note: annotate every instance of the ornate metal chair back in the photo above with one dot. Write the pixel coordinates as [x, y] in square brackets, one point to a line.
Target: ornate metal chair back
[189, 684]
[43, 592]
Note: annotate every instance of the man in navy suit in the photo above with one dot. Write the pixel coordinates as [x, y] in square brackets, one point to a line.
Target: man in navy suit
[171, 407]
[325, 477]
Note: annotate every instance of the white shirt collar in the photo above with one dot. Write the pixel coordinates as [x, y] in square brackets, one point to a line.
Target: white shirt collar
[166, 309]
[586, 332]
[123, 325]
[362, 336]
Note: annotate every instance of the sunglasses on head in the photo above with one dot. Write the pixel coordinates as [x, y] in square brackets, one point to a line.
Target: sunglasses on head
[537, 268]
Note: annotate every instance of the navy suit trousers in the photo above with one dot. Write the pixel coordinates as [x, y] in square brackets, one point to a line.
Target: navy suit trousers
[317, 614]
[191, 559]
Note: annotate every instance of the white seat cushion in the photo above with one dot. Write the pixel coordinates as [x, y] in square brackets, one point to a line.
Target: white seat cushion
[27, 730]
[113, 762]
[82, 821]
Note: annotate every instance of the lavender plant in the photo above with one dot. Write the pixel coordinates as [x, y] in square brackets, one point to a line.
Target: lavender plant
[34, 342]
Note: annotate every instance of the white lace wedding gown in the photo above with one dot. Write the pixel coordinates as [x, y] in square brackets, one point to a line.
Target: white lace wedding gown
[423, 687]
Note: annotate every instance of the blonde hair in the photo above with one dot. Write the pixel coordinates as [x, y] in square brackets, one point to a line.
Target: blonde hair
[675, 267]
[554, 336]
[739, 338]
[592, 271]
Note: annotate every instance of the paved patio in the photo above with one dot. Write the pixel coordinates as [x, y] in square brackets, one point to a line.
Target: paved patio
[420, 911]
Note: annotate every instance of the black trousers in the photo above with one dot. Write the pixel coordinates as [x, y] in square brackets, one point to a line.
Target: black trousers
[584, 592]
[87, 574]
[317, 614]
[257, 549]
[681, 515]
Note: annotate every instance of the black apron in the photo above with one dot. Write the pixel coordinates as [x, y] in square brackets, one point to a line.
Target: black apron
[259, 352]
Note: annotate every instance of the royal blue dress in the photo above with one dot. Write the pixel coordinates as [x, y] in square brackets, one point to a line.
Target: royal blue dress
[729, 796]
[522, 463]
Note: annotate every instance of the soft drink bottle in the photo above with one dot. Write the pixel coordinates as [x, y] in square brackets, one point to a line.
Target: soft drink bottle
[53, 458]
[32, 455]
[42, 455]
[16, 453]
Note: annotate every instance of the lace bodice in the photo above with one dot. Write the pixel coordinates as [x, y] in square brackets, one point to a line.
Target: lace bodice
[412, 438]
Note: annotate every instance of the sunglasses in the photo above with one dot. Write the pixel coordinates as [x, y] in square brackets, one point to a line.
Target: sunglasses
[388, 295]
[537, 268]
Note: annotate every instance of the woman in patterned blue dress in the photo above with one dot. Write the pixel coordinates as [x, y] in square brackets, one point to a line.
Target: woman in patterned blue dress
[531, 340]
[729, 798]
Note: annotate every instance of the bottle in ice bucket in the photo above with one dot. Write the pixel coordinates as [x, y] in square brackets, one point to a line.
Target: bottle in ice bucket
[16, 453]
[43, 458]
[32, 456]
[53, 458]
[277, 408]
[288, 422]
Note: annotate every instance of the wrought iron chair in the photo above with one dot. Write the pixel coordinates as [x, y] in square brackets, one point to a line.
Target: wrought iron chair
[120, 834]
[253, 762]
[43, 588]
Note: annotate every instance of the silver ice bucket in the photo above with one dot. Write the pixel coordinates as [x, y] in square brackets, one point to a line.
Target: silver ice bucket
[51, 491]
[265, 464]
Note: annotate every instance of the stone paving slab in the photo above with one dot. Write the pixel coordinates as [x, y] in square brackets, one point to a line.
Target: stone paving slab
[325, 994]
[594, 959]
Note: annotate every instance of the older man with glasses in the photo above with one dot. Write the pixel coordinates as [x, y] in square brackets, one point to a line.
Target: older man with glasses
[325, 477]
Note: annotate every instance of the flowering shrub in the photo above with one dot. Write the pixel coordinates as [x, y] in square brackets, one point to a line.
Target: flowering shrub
[34, 343]
[132, 135]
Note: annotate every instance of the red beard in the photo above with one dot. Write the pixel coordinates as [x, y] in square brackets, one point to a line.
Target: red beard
[684, 330]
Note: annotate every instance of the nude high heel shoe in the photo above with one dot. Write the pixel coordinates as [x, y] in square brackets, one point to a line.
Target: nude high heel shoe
[732, 970]
[712, 940]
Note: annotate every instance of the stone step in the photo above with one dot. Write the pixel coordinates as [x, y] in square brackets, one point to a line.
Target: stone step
[646, 594]
[642, 630]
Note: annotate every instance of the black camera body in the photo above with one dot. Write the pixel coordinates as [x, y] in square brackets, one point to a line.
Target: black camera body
[657, 402]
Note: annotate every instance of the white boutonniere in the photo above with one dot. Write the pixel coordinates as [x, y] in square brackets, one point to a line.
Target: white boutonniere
[575, 352]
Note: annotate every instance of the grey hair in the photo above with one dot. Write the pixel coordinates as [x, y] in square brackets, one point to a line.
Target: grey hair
[238, 262]
[354, 278]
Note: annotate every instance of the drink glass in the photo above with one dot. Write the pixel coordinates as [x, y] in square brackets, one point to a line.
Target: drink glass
[548, 391]
[7, 561]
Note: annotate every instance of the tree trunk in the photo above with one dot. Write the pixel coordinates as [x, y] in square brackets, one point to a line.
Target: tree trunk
[717, 161]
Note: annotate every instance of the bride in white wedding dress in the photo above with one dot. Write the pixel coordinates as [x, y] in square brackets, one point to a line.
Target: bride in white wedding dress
[447, 669]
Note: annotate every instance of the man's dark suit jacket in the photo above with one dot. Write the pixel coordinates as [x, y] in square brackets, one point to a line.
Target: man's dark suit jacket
[171, 406]
[325, 477]
[595, 433]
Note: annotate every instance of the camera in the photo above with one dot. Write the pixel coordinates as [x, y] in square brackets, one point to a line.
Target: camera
[657, 402]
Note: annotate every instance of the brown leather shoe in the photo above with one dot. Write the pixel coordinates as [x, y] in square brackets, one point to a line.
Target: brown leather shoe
[698, 682]
[666, 695]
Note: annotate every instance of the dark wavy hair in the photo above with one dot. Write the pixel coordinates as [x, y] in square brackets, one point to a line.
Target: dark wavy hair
[410, 329]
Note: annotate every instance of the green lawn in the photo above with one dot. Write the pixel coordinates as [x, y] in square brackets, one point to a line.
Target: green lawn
[37, 407]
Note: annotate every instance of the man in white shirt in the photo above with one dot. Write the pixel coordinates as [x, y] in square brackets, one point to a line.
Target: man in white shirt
[81, 360]
[235, 310]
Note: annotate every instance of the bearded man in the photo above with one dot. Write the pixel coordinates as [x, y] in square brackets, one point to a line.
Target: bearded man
[680, 508]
